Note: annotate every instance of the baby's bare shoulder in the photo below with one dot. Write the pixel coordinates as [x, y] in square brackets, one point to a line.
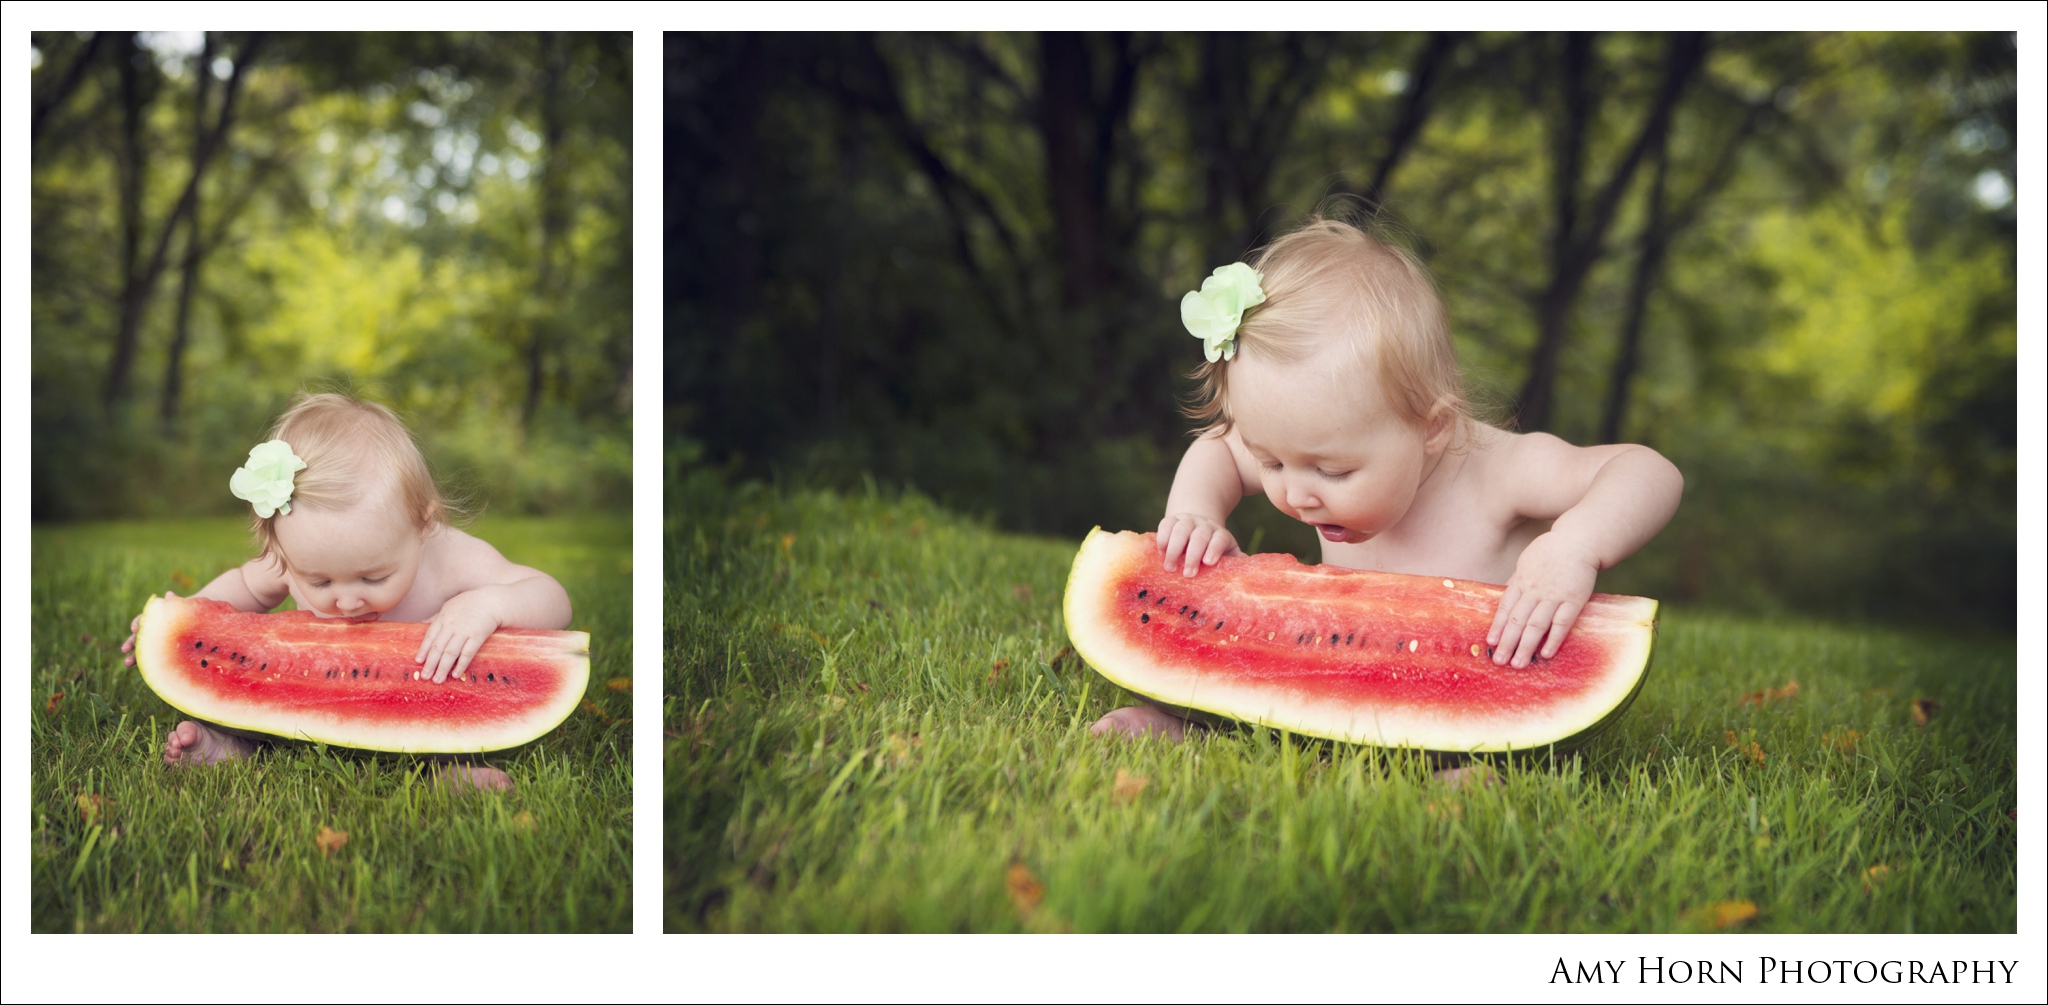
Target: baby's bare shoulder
[468, 561]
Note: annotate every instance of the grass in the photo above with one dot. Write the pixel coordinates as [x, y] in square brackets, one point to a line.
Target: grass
[121, 843]
[871, 725]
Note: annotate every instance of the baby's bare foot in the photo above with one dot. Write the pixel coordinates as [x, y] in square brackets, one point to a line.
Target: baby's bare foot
[465, 778]
[1140, 720]
[191, 745]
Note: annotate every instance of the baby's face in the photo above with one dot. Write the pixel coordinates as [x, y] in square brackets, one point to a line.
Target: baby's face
[1331, 451]
[353, 563]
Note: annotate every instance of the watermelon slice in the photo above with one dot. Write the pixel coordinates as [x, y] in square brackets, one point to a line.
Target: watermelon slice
[1364, 657]
[308, 678]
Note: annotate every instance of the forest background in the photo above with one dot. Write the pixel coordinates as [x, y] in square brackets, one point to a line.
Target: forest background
[1787, 261]
[220, 219]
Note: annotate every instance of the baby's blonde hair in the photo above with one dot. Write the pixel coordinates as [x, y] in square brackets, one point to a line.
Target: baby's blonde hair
[1334, 277]
[346, 442]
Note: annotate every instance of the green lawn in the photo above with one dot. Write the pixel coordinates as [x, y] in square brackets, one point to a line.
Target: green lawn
[870, 726]
[122, 843]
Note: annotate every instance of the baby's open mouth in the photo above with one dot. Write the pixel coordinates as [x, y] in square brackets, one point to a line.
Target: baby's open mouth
[1340, 535]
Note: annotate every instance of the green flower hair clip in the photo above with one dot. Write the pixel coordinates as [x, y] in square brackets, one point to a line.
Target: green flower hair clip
[266, 481]
[1214, 312]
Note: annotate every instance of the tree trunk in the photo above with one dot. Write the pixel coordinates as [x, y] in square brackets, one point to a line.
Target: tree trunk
[554, 215]
[1576, 245]
[127, 52]
[73, 76]
[1415, 109]
[140, 283]
[1649, 261]
[195, 246]
[1065, 91]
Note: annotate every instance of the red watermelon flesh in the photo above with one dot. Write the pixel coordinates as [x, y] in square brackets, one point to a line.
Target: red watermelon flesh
[1365, 657]
[301, 676]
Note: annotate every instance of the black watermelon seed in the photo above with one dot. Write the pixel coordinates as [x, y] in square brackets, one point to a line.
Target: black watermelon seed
[1144, 619]
[351, 672]
[215, 649]
[1161, 600]
[1142, 593]
[490, 676]
[265, 666]
[1183, 608]
[202, 662]
[1347, 639]
[196, 645]
[1219, 626]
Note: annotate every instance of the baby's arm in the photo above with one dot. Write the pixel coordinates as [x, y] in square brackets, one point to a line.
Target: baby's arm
[499, 595]
[1214, 475]
[255, 586]
[1604, 503]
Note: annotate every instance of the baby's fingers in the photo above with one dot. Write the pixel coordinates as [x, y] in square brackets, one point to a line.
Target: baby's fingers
[427, 642]
[469, 649]
[1177, 542]
[1199, 543]
[1560, 626]
[1533, 632]
[1501, 616]
[1220, 545]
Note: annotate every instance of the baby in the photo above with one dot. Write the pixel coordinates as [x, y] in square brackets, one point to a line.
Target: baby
[351, 525]
[1331, 386]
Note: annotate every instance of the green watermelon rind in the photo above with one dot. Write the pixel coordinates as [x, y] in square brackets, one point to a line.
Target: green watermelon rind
[1091, 652]
[158, 622]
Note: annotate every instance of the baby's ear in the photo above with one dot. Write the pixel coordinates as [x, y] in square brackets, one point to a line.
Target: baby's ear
[1442, 422]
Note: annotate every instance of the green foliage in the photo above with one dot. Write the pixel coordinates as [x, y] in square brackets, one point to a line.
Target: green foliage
[122, 843]
[874, 723]
[880, 265]
[442, 221]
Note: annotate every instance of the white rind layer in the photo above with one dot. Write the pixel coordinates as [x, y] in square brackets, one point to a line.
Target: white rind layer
[1628, 623]
[155, 651]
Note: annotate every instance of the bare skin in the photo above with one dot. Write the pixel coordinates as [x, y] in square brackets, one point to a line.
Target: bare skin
[372, 561]
[1320, 439]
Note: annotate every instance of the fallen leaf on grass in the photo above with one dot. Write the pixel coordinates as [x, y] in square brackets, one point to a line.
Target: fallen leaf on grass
[1025, 889]
[623, 685]
[183, 582]
[1723, 914]
[1875, 876]
[1444, 809]
[996, 670]
[1923, 711]
[1842, 740]
[56, 699]
[1022, 591]
[899, 750]
[330, 840]
[1127, 786]
[591, 707]
[1768, 695]
[1752, 751]
[787, 540]
[523, 821]
[85, 638]
[91, 805]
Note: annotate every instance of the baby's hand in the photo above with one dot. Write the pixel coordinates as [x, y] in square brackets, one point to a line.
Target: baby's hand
[455, 634]
[134, 625]
[1552, 581]
[1194, 541]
